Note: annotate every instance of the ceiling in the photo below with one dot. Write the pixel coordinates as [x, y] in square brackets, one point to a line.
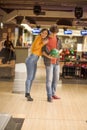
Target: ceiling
[61, 12]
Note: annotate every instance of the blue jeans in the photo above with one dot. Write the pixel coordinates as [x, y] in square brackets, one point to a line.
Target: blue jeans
[51, 79]
[31, 67]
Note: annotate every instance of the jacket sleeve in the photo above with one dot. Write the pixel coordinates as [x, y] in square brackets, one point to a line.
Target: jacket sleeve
[59, 44]
[44, 49]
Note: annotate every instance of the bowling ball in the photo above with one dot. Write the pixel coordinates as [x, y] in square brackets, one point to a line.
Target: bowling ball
[54, 52]
[72, 52]
[67, 52]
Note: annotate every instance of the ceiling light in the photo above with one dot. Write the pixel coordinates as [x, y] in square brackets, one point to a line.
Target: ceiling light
[1, 25]
[25, 24]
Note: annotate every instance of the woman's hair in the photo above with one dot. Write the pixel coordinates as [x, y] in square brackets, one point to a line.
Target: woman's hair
[44, 29]
[54, 29]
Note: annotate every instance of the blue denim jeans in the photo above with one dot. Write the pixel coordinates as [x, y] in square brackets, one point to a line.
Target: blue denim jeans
[51, 79]
[31, 67]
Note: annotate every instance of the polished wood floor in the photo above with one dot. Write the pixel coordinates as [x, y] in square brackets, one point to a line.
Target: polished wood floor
[68, 113]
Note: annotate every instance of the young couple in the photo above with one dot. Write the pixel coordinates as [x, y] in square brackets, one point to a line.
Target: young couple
[42, 45]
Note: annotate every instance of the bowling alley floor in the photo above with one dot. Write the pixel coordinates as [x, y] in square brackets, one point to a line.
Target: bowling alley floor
[67, 113]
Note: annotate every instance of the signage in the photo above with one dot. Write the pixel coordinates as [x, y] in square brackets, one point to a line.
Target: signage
[36, 31]
[83, 32]
[68, 32]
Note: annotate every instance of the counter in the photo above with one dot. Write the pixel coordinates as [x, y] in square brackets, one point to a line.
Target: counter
[21, 54]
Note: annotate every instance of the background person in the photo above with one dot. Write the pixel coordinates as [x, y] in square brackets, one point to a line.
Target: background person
[8, 44]
[6, 55]
[10, 49]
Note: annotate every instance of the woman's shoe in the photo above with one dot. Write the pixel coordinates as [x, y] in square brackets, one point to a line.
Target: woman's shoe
[29, 98]
[26, 94]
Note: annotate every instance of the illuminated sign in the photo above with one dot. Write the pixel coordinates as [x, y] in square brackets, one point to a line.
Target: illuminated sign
[68, 32]
[36, 31]
[83, 32]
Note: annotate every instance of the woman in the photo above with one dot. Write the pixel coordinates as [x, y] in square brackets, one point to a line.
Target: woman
[31, 61]
[10, 49]
[5, 55]
[8, 44]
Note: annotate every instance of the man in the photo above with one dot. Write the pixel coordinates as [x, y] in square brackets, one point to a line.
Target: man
[51, 63]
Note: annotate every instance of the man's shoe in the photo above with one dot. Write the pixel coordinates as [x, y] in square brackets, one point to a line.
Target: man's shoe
[55, 97]
[29, 98]
[49, 99]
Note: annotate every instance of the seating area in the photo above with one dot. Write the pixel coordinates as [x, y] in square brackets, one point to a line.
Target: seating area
[7, 70]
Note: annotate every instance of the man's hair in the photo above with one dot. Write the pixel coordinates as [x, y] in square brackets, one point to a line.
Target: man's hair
[54, 29]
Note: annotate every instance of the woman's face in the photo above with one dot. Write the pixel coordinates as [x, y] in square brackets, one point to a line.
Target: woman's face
[44, 34]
